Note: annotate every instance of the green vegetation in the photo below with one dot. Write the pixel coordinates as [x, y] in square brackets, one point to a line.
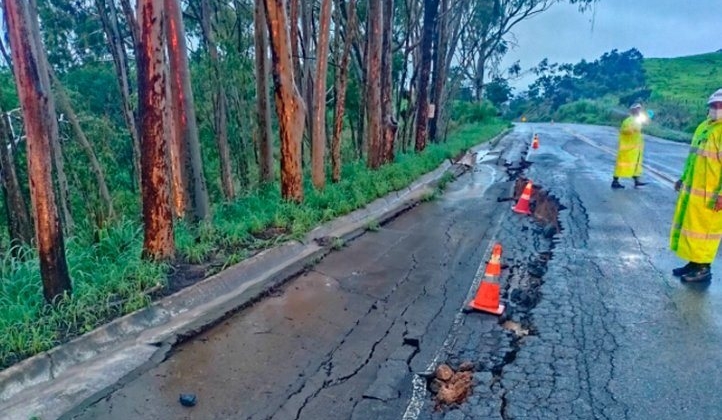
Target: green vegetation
[599, 92]
[680, 87]
[110, 279]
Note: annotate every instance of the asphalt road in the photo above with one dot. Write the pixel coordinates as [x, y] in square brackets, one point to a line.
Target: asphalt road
[596, 326]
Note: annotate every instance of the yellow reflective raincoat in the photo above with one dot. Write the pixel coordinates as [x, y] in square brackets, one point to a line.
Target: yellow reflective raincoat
[631, 148]
[697, 228]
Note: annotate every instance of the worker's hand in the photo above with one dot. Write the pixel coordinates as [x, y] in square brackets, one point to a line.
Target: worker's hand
[678, 185]
[718, 203]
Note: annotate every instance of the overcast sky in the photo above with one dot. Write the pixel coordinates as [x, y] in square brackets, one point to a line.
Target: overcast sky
[657, 28]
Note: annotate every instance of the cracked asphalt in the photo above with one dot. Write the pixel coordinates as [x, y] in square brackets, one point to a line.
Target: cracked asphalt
[595, 327]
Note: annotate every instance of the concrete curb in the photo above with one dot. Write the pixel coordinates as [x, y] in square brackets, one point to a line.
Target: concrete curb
[45, 385]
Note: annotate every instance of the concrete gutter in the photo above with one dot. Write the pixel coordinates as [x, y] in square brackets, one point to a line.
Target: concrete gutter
[84, 370]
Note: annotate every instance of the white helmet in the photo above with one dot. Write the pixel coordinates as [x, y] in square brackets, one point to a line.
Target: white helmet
[635, 106]
[715, 97]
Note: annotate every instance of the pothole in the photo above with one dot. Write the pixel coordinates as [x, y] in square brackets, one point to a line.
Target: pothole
[451, 386]
[516, 328]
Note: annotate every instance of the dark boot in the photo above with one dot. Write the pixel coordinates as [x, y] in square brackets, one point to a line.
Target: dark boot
[616, 185]
[679, 271]
[638, 183]
[700, 274]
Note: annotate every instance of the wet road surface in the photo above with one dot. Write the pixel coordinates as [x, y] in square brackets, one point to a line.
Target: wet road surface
[596, 326]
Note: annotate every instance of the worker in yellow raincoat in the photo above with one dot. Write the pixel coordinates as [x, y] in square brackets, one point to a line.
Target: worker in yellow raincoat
[631, 148]
[697, 224]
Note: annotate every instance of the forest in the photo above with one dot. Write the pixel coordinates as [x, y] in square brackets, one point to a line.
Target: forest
[147, 144]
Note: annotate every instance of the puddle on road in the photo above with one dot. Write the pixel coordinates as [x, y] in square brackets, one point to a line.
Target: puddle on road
[480, 179]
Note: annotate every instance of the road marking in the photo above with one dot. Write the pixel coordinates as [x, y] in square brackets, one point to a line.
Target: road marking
[661, 176]
[416, 404]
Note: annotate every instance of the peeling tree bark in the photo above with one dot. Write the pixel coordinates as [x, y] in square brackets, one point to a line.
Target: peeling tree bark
[263, 105]
[178, 176]
[290, 107]
[158, 243]
[56, 150]
[37, 104]
[190, 163]
[318, 135]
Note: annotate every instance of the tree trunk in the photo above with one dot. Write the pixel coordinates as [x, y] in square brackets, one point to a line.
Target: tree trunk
[422, 111]
[373, 83]
[263, 105]
[67, 108]
[294, 12]
[289, 104]
[307, 57]
[341, 84]
[390, 124]
[174, 141]
[220, 104]
[56, 150]
[318, 136]
[479, 82]
[158, 241]
[37, 104]
[19, 227]
[120, 62]
[183, 113]
[438, 81]
[131, 19]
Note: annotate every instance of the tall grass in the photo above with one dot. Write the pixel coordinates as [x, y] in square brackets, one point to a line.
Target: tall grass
[110, 279]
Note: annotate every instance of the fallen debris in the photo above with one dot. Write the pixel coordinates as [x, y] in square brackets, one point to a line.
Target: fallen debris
[452, 386]
[188, 400]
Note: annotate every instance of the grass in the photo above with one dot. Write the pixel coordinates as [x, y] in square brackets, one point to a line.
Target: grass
[680, 87]
[110, 279]
[686, 80]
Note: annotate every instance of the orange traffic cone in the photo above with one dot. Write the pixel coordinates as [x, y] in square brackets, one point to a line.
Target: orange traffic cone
[535, 142]
[487, 297]
[493, 268]
[522, 206]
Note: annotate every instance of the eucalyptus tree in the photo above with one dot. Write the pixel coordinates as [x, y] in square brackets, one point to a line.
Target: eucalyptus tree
[158, 242]
[19, 225]
[290, 106]
[31, 77]
[263, 105]
[486, 24]
[318, 134]
[116, 41]
[374, 45]
[341, 81]
[189, 164]
[431, 12]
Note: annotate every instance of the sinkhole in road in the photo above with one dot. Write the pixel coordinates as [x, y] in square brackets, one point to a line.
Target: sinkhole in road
[530, 249]
[526, 270]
